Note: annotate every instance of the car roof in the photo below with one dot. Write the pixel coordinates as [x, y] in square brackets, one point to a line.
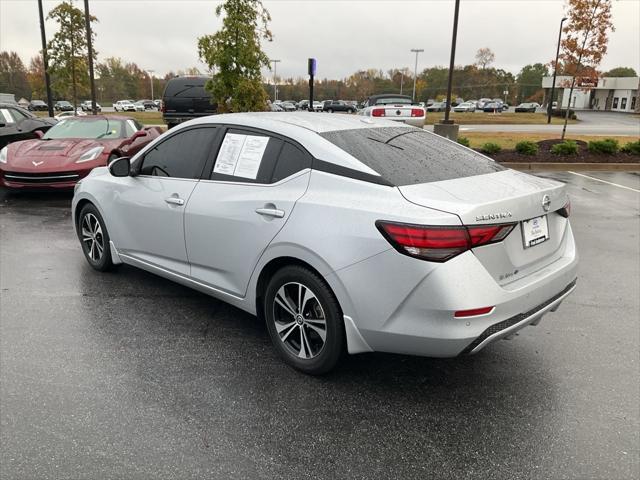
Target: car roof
[304, 127]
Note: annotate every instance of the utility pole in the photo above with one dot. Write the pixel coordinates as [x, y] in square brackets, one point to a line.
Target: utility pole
[150, 72]
[45, 61]
[555, 73]
[275, 85]
[92, 80]
[452, 60]
[401, 80]
[415, 71]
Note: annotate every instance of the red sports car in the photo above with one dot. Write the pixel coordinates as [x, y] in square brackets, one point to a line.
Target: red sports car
[70, 150]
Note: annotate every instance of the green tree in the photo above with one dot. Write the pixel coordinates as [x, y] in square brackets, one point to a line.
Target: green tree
[36, 78]
[529, 82]
[621, 72]
[68, 51]
[235, 56]
[13, 76]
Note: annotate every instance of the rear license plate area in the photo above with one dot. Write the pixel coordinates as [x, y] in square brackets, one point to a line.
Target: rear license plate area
[535, 231]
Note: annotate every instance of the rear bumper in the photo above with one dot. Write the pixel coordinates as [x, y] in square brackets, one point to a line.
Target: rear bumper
[403, 305]
[414, 121]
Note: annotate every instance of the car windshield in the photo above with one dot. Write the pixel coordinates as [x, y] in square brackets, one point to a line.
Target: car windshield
[407, 156]
[100, 128]
[394, 100]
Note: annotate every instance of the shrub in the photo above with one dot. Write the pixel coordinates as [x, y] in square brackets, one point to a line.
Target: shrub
[632, 147]
[490, 148]
[464, 141]
[607, 146]
[527, 148]
[568, 147]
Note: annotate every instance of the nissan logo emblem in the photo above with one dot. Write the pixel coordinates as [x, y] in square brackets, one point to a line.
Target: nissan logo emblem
[546, 203]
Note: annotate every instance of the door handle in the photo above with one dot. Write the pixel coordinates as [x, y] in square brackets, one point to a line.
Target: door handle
[174, 200]
[270, 212]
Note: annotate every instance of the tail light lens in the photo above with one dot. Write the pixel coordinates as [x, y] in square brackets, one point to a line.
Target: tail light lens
[163, 107]
[417, 112]
[377, 112]
[439, 244]
[566, 210]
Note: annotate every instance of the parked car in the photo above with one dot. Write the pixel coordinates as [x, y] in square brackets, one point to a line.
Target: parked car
[77, 113]
[338, 106]
[124, 106]
[148, 104]
[317, 106]
[430, 102]
[465, 107]
[274, 107]
[288, 106]
[69, 150]
[86, 106]
[185, 98]
[482, 102]
[38, 106]
[527, 107]
[437, 107]
[303, 105]
[391, 106]
[437, 225]
[19, 124]
[494, 107]
[63, 106]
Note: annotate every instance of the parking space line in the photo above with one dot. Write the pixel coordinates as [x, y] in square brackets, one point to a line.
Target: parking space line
[604, 181]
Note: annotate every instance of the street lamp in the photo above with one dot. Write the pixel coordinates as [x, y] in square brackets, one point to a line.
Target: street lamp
[415, 71]
[150, 72]
[555, 73]
[275, 85]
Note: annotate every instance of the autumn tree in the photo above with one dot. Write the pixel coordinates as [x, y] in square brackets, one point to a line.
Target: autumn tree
[585, 40]
[485, 57]
[35, 74]
[236, 57]
[67, 51]
[13, 75]
[529, 82]
[621, 72]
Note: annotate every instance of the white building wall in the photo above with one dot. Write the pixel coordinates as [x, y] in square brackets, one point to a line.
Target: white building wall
[622, 100]
[579, 98]
[600, 99]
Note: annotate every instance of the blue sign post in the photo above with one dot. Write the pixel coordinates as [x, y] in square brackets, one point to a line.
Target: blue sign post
[311, 66]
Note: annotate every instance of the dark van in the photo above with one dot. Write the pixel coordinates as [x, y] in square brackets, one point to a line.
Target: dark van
[185, 98]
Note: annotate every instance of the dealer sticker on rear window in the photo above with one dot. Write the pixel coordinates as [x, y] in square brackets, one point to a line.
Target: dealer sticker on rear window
[535, 231]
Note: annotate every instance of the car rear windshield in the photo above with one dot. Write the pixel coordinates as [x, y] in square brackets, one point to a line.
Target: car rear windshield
[408, 156]
[393, 100]
[186, 87]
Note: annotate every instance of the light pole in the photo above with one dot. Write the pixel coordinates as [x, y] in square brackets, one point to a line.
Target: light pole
[555, 73]
[150, 72]
[415, 71]
[92, 80]
[275, 85]
[401, 80]
[447, 108]
[45, 61]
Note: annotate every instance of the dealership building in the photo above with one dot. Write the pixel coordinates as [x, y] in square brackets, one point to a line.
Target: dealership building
[616, 94]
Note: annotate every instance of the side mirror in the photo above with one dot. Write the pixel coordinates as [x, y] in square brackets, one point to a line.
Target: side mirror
[38, 133]
[139, 134]
[120, 167]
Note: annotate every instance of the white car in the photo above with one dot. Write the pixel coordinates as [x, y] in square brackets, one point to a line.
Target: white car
[124, 106]
[399, 108]
[317, 106]
[465, 107]
[340, 232]
[139, 106]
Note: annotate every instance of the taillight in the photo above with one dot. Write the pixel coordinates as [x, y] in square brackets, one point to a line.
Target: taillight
[474, 312]
[163, 107]
[377, 112]
[417, 112]
[439, 244]
[566, 210]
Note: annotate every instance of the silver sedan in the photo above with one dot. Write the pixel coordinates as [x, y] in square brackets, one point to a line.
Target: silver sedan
[342, 233]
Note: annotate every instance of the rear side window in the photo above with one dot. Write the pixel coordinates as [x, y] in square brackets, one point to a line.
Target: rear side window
[290, 161]
[182, 155]
[408, 156]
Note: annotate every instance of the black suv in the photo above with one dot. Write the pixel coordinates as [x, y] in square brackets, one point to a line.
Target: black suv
[338, 106]
[185, 98]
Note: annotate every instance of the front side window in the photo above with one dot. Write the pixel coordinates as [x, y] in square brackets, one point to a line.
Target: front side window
[182, 155]
[408, 156]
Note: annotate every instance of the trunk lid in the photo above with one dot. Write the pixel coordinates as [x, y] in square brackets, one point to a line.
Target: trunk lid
[507, 196]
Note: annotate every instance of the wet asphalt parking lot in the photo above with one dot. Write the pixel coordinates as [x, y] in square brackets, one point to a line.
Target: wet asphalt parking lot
[127, 375]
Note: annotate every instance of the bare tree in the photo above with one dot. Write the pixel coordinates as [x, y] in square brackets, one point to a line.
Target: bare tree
[484, 57]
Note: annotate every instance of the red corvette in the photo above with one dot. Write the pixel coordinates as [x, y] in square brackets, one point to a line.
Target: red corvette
[70, 150]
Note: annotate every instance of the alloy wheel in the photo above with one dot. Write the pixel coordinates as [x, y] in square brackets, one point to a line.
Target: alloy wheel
[92, 237]
[300, 320]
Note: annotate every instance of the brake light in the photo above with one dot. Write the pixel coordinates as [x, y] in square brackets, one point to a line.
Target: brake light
[439, 244]
[163, 107]
[417, 112]
[566, 210]
[377, 112]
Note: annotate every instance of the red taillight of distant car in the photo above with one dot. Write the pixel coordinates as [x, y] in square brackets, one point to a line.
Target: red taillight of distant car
[439, 244]
[417, 112]
[377, 112]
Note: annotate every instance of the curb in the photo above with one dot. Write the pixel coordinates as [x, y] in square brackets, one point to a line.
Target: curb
[615, 167]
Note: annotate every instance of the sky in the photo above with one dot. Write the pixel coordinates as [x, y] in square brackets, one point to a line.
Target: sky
[344, 35]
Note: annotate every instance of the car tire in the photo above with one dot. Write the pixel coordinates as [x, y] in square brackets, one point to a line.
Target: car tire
[329, 110]
[311, 338]
[94, 238]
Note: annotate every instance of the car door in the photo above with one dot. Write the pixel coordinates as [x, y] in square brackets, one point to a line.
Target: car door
[231, 218]
[148, 207]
